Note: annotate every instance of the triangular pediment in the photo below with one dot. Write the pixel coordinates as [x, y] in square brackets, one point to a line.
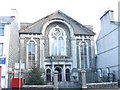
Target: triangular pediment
[37, 26]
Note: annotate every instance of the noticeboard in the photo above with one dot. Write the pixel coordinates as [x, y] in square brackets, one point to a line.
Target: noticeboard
[2, 60]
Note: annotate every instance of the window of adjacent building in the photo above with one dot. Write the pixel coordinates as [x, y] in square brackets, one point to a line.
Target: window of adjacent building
[99, 73]
[1, 49]
[57, 40]
[31, 54]
[48, 75]
[105, 72]
[1, 29]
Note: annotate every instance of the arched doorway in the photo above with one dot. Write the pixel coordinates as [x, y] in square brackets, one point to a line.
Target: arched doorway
[59, 73]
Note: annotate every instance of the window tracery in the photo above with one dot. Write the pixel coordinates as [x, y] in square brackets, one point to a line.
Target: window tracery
[57, 40]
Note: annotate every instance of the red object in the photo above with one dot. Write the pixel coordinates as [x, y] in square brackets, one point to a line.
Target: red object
[0, 74]
[16, 82]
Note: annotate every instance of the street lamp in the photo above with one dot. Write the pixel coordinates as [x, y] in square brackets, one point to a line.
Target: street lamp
[19, 80]
[83, 69]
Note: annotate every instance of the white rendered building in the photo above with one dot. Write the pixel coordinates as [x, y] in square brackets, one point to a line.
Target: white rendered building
[9, 48]
[107, 46]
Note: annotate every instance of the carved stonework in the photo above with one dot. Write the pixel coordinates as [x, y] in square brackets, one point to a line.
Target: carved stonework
[57, 31]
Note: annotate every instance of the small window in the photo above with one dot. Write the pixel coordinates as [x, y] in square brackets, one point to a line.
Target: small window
[48, 75]
[1, 29]
[67, 75]
[1, 49]
[99, 73]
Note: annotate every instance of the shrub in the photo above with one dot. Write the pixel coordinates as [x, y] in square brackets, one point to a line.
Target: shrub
[34, 77]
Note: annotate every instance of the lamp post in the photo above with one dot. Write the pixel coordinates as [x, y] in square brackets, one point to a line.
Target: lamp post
[55, 80]
[19, 75]
[83, 69]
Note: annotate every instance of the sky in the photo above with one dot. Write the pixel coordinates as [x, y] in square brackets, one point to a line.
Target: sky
[87, 12]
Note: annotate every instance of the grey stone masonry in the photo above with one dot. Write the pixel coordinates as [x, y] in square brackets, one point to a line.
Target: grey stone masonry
[106, 85]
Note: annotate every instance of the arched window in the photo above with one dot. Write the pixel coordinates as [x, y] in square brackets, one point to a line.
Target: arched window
[48, 75]
[67, 75]
[84, 55]
[57, 40]
[31, 54]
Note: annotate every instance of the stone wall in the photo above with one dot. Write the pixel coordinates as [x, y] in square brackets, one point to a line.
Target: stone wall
[37, 86]
[69, 85]
[47, 87]
[106, 85]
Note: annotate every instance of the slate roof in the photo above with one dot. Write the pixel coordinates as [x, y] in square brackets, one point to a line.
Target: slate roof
[37, 26]
[24, 25]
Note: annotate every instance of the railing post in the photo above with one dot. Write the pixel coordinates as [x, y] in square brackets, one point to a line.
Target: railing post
[84, 86]
[55, 80]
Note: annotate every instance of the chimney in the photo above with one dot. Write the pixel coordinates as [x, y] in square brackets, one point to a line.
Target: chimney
[13, 12]
[108, 15]
[106, 19]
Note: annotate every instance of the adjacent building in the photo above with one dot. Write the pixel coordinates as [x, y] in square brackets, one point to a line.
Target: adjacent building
[57, 42]
[9, 47]
[107, 48]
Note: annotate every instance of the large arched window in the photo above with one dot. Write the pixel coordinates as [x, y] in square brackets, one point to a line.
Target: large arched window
[57, 41]
[31, 54]
[48, 75]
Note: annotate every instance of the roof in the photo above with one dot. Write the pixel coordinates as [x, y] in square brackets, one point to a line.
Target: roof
[37, 26]
[106, 13]
[24, 25]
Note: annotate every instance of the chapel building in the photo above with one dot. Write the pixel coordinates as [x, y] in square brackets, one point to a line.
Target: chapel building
[57, 42]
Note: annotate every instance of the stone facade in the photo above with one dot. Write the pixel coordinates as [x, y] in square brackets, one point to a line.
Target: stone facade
[107, 85]
[57, 42]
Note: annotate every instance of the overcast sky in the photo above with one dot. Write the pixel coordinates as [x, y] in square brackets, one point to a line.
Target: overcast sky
[87, 12]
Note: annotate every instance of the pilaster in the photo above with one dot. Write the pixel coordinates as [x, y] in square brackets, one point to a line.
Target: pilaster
[42, 56]
[74, 57]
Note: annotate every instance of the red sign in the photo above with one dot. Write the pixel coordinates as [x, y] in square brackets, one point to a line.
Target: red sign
[0, 74]
[16, 82]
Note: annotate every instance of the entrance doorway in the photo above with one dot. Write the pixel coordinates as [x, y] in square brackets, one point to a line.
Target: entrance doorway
[59, 73]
